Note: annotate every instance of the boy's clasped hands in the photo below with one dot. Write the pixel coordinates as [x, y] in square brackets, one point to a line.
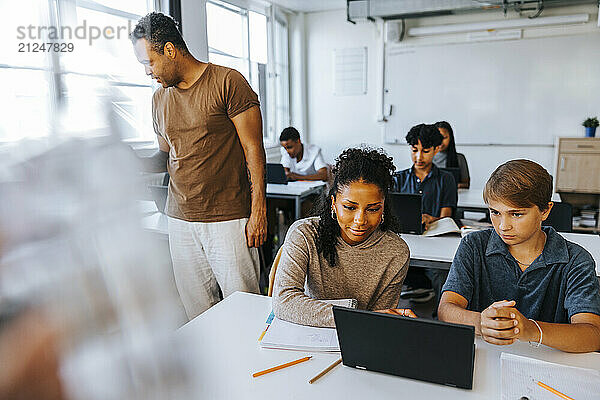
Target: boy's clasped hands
[501, 323]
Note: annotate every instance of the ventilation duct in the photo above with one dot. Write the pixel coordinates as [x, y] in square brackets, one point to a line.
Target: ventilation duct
[397, 9]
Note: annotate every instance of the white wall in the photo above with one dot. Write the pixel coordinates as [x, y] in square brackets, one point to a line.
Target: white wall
[335, 123]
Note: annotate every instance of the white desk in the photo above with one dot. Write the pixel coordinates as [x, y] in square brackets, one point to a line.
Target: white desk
[434, 251]
[228, 353]
[438, 251]
[156, 223]
[297, 191]
[146, 207]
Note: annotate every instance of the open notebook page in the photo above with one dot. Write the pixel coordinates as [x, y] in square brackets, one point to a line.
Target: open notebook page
[521, 374]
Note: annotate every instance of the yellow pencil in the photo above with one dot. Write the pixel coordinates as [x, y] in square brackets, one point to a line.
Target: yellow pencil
[326, 370]
[262, 335]
[556, 392]
[278, 367]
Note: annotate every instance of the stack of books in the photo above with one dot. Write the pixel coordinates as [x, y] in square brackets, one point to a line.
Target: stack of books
[587, 219]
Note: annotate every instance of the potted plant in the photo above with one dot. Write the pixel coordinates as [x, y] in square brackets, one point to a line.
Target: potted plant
[590, 126]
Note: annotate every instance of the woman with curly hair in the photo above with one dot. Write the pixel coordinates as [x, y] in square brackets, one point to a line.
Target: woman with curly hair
[352, 249]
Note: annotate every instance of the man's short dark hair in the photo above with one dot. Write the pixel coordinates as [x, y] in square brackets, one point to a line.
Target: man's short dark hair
[289, 133]
[158, 29]
[429, 136]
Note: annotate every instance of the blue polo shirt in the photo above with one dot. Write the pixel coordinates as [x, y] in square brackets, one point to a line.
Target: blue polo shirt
[560, 283]
[438, 188]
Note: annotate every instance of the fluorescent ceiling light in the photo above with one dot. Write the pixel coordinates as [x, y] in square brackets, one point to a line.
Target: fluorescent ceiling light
[502, 24]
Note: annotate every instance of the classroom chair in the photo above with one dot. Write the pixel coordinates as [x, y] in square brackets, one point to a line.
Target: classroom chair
[561, 217]
[273, 271]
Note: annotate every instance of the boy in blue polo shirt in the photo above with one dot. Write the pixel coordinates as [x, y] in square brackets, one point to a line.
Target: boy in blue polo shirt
[439, 197]
[520, 280]
[438, 187]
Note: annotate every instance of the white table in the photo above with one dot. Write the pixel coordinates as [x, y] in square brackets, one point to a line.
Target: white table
[438, 251]
[296, 191]
[146, 207]
[157, 222]
[425, 251]
[228, 353]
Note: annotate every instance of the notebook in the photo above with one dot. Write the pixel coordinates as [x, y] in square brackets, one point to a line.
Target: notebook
[448, 225]
[441, 227]
[521, 374]
[289, 336]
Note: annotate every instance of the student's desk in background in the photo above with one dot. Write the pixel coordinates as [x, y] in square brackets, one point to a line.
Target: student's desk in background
[296, 191]
[428, 252]
[228, 353]
[438, 251]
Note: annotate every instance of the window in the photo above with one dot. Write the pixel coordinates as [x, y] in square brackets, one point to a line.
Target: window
[255, 44]
[71, 91]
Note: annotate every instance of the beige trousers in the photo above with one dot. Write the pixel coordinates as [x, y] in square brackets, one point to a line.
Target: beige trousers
[211, 255]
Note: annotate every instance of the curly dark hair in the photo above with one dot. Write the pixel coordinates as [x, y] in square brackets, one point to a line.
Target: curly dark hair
[158, 29]
[363, 164]
[429, 136]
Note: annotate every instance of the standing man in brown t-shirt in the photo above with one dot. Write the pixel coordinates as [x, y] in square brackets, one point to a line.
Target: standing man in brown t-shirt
[209, 128]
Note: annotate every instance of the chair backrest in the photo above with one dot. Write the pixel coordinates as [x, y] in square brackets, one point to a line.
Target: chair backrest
[561, 217]
[273, 271]
[166, 179]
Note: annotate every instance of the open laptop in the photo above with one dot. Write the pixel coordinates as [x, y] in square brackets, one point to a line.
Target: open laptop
[415, 348]
[276, 174]
[408, 209]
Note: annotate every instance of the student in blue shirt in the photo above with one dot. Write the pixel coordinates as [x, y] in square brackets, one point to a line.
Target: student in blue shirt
[439, 199]
[438, 187]
[519, 280]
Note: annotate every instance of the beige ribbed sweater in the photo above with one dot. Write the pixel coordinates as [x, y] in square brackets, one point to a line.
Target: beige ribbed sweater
[371, 272]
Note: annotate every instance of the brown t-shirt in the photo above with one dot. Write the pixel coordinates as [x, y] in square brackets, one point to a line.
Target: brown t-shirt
[209, 180]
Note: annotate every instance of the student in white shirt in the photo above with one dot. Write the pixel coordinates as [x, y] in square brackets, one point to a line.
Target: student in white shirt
[301, 161]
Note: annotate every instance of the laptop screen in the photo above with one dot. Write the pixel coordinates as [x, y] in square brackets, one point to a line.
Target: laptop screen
[416, 348]
[276, 174]
[408, 209]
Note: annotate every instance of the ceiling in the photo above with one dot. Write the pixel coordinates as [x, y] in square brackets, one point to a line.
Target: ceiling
[311, 5]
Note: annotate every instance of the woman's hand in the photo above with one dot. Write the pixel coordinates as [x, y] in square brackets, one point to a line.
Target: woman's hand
[405, 312]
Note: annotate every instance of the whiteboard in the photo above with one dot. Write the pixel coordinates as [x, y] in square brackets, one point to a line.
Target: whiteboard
[504, 92]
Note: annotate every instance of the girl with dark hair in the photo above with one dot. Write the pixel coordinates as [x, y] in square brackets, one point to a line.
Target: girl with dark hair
[447, 157]
[352, 249]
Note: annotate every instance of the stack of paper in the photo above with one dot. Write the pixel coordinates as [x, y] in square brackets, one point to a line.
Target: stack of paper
[290, 336]
[520, 377]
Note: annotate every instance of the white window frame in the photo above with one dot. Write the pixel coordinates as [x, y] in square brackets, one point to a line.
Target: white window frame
[62, 12]
[273, 122]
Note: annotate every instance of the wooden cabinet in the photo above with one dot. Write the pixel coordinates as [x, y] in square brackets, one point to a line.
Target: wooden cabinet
[578, 165]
